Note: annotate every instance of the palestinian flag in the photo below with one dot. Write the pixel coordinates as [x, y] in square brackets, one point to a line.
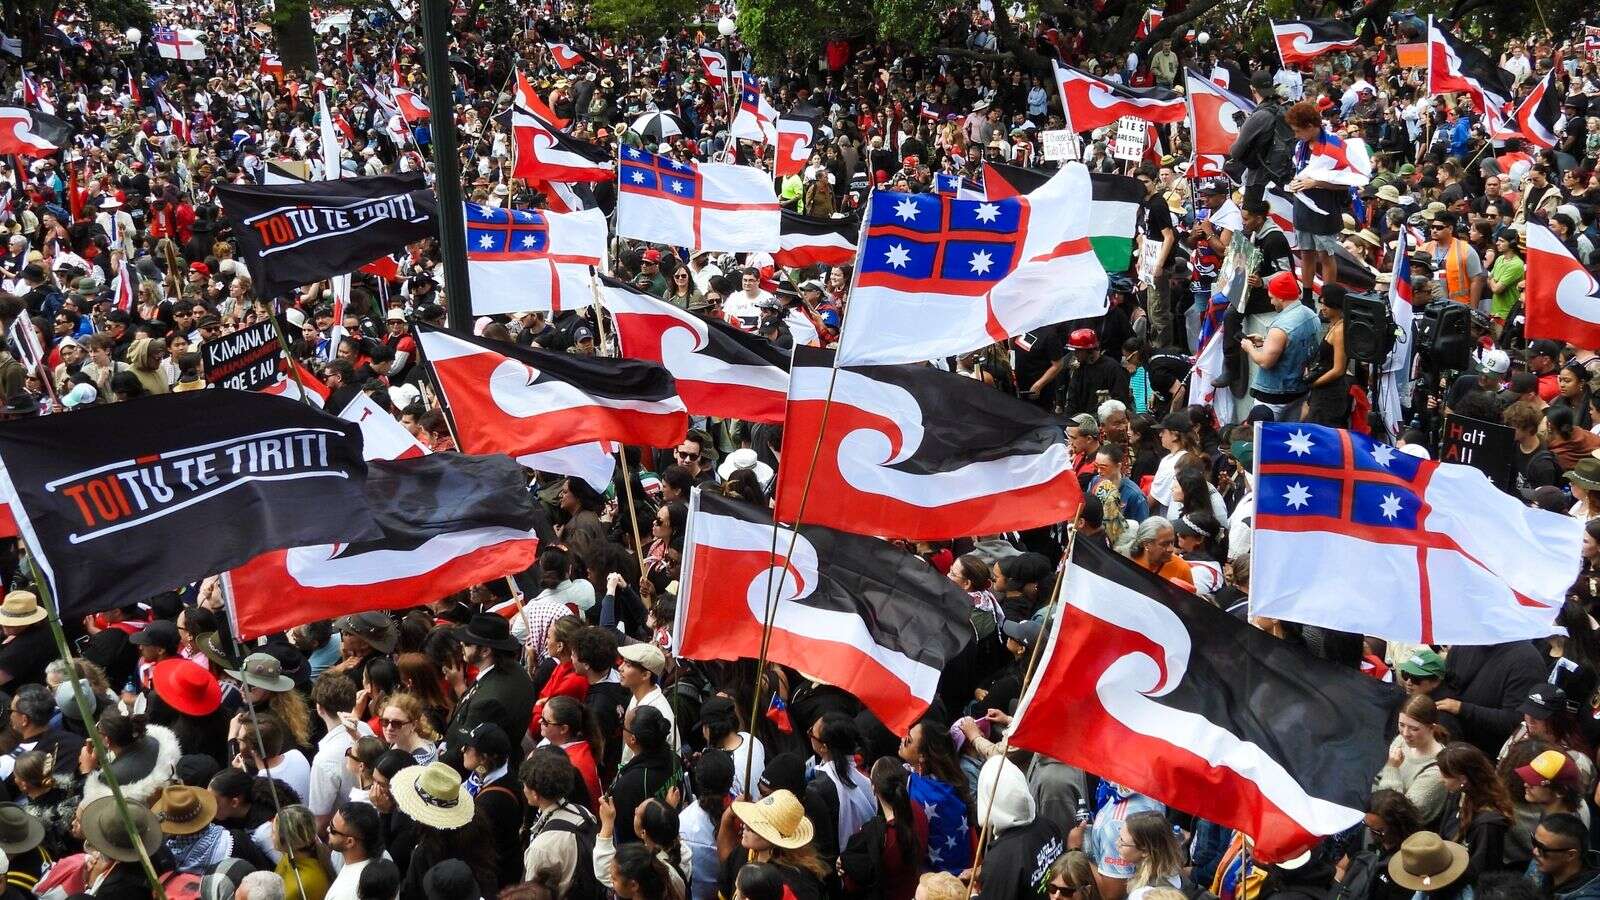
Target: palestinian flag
[1116, 208]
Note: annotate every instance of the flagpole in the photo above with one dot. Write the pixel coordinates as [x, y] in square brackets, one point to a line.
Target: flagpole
[102, 754]
[622, 456]
[1027, 676]
[446, 162]
[771, 611]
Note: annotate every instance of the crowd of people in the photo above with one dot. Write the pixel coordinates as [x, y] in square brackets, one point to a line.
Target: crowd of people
[539, 737]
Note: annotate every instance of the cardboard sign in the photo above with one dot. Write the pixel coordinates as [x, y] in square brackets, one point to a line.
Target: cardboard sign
[244, 360]
[1486, 446]
[1059, 145]
[1412, 56]
[1129, 143]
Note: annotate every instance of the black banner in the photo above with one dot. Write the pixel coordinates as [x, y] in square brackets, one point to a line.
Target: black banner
[294, 234]
[245, 360]
[1485, 446]
[124, 501]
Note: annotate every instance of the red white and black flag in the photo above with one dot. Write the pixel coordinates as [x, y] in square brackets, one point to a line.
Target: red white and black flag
[516, 400]
[1178, 700]
[720, 370]
[1303, 40]
[917, 453]
[806, 241]
[1535, 119]
[449, 521]
[1456, 66]
[124, 501]
[796, 135]
[1094, 102]
[542, 151]
[855, 611]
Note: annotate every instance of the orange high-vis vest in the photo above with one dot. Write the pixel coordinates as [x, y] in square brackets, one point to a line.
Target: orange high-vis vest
[1458, 286]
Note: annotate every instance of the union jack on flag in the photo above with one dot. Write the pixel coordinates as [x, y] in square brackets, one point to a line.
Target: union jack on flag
[1355, 535]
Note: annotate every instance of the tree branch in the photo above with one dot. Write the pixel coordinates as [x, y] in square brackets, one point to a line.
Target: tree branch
[1171, 24]
[979, 55]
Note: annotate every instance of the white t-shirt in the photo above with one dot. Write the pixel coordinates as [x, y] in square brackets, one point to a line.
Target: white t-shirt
[344, 886]
[659, 701]
[294, 770]
[330, 779]
[757, 754]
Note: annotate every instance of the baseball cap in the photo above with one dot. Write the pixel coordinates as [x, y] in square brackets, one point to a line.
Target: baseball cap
[1543, 702]
[160, 633]
[1544, 347]
[582, 333]
[1551, 767]
[1024, 632]
[1423, 664]
[200, 267]
[651, 255]
[1492, 361]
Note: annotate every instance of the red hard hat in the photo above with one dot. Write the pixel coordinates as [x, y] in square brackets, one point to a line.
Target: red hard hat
[1083, 339]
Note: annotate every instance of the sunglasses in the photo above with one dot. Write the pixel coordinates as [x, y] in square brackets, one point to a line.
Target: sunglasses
[394, 723]
[1061, 890]
[1546, 850]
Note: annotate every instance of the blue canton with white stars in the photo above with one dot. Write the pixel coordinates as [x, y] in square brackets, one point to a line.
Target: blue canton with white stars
[1323, 471]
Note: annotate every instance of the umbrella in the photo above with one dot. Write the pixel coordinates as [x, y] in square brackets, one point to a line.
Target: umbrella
[657, 126]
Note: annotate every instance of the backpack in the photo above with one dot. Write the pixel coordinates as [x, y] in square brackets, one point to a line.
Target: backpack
[1360, 877]
[1277, 156]
[585, 886]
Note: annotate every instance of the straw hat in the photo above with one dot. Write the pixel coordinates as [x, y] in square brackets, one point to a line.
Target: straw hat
[778, 817]
[1427, 862]
[103, 829]
[432, 795]
[184, 810]
[21, 608]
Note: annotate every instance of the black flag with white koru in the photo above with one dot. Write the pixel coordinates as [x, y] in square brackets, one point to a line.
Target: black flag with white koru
[295, 234]
[124, 501]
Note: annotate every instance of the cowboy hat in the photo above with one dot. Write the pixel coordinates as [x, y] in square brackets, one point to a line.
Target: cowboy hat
[21, 608]
[376, 627]
[1427, 862]
[432, 795]
[1586, 474]
[103, 829]
[186, 687]
[262, 671]
[488, 630]
[19, 832]
[184, 810]
[778, 817]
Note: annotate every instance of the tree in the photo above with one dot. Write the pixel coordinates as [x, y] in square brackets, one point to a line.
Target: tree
[19, 18]
[657, 16]
[777, 29]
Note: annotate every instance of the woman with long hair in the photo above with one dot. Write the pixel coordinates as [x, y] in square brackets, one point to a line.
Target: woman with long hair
[776, 832]
[682, 292]
[666, 533]
[1585, 590]
[405, 728]
[1148, 843]
[1412, 767]
[303, 863]
[838, 785]
[1565, 439]
[1072, 878]
[1478, 810]
[938, 779]
[722, 728]
[571, 725]
[380, 677]
[563, 680]
[421, 678]
[1192, 491]
[700, 819]
[637, 874]
[1390, 819]
[656, 825]
[1573, 393]
[1198, 536]
[1179, 442]
[884, 859]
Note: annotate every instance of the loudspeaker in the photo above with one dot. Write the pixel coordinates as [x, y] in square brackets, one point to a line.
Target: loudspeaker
[1368, 331]
[1444, 335]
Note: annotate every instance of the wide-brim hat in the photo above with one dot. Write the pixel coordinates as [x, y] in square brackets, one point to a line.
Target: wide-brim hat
[486, 630]
[778, 817]
[1427, 862]
[210, 644]
[375, 627]
[21, 608]
[745, 458]
[182, 809]
[1586, 474]
[186, 687]
[432, 795]
[103, 829]
[261, 670]
[19, 832]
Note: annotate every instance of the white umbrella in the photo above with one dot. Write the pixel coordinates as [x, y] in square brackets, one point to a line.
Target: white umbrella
[656, 126]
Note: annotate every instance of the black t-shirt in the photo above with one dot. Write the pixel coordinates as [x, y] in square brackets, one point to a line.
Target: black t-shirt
[25, 656]
[1035, 352]
[1157, 217]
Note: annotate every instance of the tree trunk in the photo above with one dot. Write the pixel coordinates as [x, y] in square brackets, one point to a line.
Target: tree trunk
[1171, 24]
[297, 41]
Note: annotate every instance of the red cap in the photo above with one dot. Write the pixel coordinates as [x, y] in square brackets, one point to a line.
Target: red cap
[200, 267]
[651, 255]
[1083, 339]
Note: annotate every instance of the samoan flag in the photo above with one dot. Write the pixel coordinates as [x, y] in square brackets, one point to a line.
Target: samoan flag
[949, 839]
[1354, 535]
